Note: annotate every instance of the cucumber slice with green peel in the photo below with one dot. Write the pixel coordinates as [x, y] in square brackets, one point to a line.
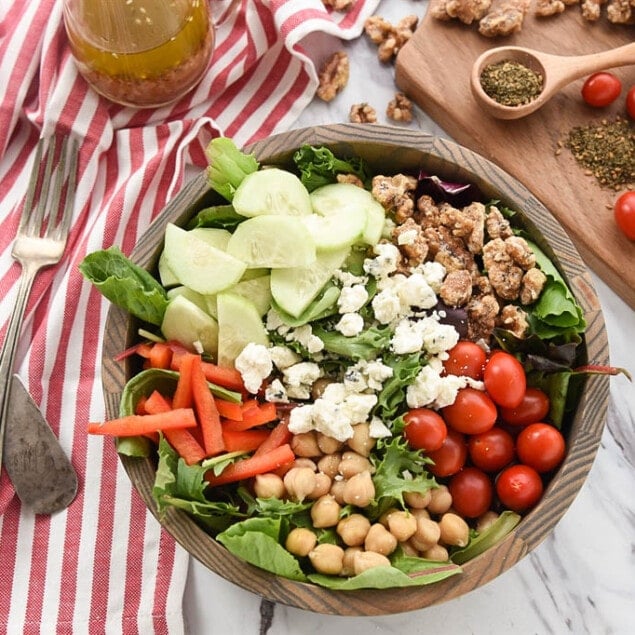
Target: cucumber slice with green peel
[250, 274]
[166, 275]
[197, 264]
[257, 290]
[272, 242]
[272, 191]
[187, 323]
[213, 236]
[339, 217]
[294, 288]
[193, 296]
[376, 219]
[239, 323]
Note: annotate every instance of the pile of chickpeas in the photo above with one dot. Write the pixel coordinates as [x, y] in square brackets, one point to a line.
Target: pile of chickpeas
[334, 474]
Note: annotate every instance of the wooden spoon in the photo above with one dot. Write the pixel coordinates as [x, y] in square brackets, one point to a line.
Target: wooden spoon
[556, 70]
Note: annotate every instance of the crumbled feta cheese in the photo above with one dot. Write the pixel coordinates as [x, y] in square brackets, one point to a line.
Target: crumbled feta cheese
[386, 260]
[408, 337]
[254, 364]
[347, 279]
[425, 334]
[283, 357]
[304, 336]
[350, 324]
[434, 273]
[301, 373]
[386, 306]
[377, 373]
[301, 419]
[431, 388]
[358, 406]
[276, 392]
[274, 322]
[335, 392]
[415, 291]
[352, 299]
[354, 380]
[378, 429]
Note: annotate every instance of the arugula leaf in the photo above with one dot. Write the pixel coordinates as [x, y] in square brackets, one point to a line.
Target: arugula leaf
[228, 166]
[125, 284]
[319, 166]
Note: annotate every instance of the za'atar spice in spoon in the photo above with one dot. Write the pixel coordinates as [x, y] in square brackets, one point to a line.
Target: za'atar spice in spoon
[511, 83]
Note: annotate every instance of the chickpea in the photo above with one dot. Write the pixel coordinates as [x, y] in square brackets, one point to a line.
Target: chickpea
[364, 560]
[337, 490]
[322, 486]
[417, 499]
[353, 463]
[454, 530]
[486, 521]
[361, 441]
[348, 563]
[305, 444]
[408, 549]
[359, 490]
[329, 464]
[437, 552]
[300, 482]
[420, 513]
[440, 500]
[325, 512]
[380, 540]
[353, 529]
[300, 541]
[402, 525]
[269, 486]
[319, 386]
[383, 519]
[327, 558]
[305, 462]
[328, 445]
[427, 534]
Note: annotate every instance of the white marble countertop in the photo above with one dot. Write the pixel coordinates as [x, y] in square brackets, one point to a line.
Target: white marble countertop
[581, 579]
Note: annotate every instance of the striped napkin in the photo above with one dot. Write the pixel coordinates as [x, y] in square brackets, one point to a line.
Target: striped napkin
[104, 564]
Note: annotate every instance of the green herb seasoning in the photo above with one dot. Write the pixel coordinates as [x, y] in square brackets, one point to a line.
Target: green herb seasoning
[511, 83]
[606, 150]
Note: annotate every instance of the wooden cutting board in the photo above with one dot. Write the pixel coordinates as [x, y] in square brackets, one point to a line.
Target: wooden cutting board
[433, 69]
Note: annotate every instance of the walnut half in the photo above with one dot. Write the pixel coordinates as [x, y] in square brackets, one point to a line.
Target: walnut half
[333, 76]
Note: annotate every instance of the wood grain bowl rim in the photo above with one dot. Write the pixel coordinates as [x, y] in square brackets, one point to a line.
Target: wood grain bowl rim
[393, 148]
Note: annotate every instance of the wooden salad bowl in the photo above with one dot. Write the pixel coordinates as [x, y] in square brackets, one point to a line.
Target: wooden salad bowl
[391, 150]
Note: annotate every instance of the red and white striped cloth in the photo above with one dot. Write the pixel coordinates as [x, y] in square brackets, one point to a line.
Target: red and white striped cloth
[104, 564]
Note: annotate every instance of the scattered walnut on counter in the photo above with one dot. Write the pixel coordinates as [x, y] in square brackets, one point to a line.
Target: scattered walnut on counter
[591, 9]
[467, 11]
[333, 76]
[362, 113]
[547, 8]
[621, 11]
[388, 37]
[504, 18]
[339, 5]
[399, 108]
[438, 11]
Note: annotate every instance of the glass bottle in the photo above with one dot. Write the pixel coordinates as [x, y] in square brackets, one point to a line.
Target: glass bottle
[142, 53]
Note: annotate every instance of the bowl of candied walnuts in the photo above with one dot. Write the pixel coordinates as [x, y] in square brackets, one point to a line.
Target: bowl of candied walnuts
[372, 378]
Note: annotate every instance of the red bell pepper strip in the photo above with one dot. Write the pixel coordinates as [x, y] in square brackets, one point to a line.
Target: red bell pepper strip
[206, 411]
[278, 436]
[160, 356]
[229, 410]
[183, 397]
[247, 468]
[133, 425]
[244, 440]
[254, 414]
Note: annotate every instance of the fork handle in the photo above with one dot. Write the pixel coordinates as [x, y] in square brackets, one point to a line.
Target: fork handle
[9, 348]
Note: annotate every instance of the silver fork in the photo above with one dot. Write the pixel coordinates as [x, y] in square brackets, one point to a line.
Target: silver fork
[40, 242]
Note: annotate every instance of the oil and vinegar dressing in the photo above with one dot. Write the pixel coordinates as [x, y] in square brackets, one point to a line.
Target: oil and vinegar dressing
[140, 52]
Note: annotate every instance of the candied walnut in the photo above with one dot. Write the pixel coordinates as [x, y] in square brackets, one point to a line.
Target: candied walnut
[395, 193]
[333, 76]
[591, 9]
[411, 241]
[427, 213]
[621, 11]
[456, 289]
[520, 252]
[481, 285]
[353, 179]
[362, 113]
[514, 319]
[467, 223]
[451, 251]
[532, 285]
[482, 312]
[438, 11]
[399, 108]
[388, 37]
[503, 274]
[504, 18]
[547, 8]
[496, 225]
[467, 11]
[338, 5]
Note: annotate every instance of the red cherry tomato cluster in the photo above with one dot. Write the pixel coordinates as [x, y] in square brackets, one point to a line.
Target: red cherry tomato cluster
[491, 447]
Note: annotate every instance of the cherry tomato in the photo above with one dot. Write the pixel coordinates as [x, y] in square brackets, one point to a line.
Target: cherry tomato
[630, 102]
[601, 89]
[624, 212]
[519, 487]
[472, 492]
[472, 412]
[466, 359]
[425, 429]
[450, 457]
[505, 380]
[534, 407]
[491, 451]
[541, 446]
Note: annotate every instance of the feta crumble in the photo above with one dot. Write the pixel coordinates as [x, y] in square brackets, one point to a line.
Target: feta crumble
[255, 365]
[350, 324]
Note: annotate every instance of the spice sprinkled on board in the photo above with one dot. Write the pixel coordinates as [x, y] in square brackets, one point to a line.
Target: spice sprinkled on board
[511, 83]
[605, 150]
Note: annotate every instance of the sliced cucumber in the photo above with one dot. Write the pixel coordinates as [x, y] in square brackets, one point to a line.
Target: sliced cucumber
[187, 323]
[376, 219]
[272, 191]
[193, 296]
[339, 217]
[214, 236]
[295, 288]
[257, 290]
[197, 264]
[166, 275]
[273, 242]
[239, 323]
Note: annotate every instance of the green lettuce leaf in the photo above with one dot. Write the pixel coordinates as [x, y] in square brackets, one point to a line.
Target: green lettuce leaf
[217, 216]
[367, 345]
[125, 284]
[228, 166]
[319, 166]
[392, 396]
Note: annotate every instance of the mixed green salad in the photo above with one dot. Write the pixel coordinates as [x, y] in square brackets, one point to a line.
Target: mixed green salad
[321, 328]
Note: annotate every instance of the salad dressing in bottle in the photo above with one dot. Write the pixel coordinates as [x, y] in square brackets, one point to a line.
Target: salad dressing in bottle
[142, 53]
